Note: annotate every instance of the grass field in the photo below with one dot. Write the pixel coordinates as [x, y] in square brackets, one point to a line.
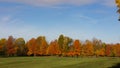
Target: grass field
[57, 62]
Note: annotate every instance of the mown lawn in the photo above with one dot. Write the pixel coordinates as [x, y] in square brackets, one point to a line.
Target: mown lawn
[57, 62]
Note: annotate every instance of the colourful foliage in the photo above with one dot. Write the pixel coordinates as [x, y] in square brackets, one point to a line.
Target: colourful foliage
[64, 46]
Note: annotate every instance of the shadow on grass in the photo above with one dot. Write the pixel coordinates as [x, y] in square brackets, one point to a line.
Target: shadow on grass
[116, 66]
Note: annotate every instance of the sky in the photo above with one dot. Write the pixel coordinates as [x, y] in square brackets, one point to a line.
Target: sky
[78, 19]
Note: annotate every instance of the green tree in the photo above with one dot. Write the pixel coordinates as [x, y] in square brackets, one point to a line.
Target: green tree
[61, 42]
[67, 43]
[3, 47]
[64, 43]
[21, 47]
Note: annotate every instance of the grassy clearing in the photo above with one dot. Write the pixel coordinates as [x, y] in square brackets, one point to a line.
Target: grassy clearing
[57, 62]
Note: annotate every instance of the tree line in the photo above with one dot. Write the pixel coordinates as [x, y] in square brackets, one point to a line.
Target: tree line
[63, 46]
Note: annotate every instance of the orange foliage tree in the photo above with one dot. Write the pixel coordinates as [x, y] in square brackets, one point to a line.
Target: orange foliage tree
[11, 49]
[108, 50]
[116, 50]
[77, 47]
[32, 48]
[53, 48]
[64, 46]
[100, 52]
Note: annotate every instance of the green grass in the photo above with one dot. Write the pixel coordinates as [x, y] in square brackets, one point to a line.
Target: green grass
[57, 62]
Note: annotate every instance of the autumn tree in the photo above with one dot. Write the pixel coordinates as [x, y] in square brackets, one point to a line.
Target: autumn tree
[77, 47]
[10, 47]
[97, 44]
[71, 51]
[67, 43]
[53, 48]
[61, 42]
[116, 50]
[83, 48]
[64, 43]
[88, 49]
[3, 46]
[99, 47]
[63, 46]
[21, 47]
[108, 50]
[100, 52]
[37, 46]
[42, 45]
[32, 48]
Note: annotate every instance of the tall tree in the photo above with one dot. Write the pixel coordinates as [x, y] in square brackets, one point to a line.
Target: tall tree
[53, 48]
[116, 50]
[61, 42]
[97, 44]
[31, 44]
[3, 47]
[21, 47]
[108, 50]
[101, 52]
[42, 45]
[11, 50]
[89, 49]
[66, 44]
[77, 47]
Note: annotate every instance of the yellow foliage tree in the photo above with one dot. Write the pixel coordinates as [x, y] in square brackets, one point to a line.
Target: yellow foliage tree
[117, 3]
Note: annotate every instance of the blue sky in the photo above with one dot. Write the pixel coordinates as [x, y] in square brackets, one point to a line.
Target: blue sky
[77, 19]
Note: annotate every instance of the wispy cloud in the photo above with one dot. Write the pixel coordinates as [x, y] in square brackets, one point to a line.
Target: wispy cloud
[84, 18]
[49, 3]
[9, 20]
[17, 28]
[89, 19]
[52, 2]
